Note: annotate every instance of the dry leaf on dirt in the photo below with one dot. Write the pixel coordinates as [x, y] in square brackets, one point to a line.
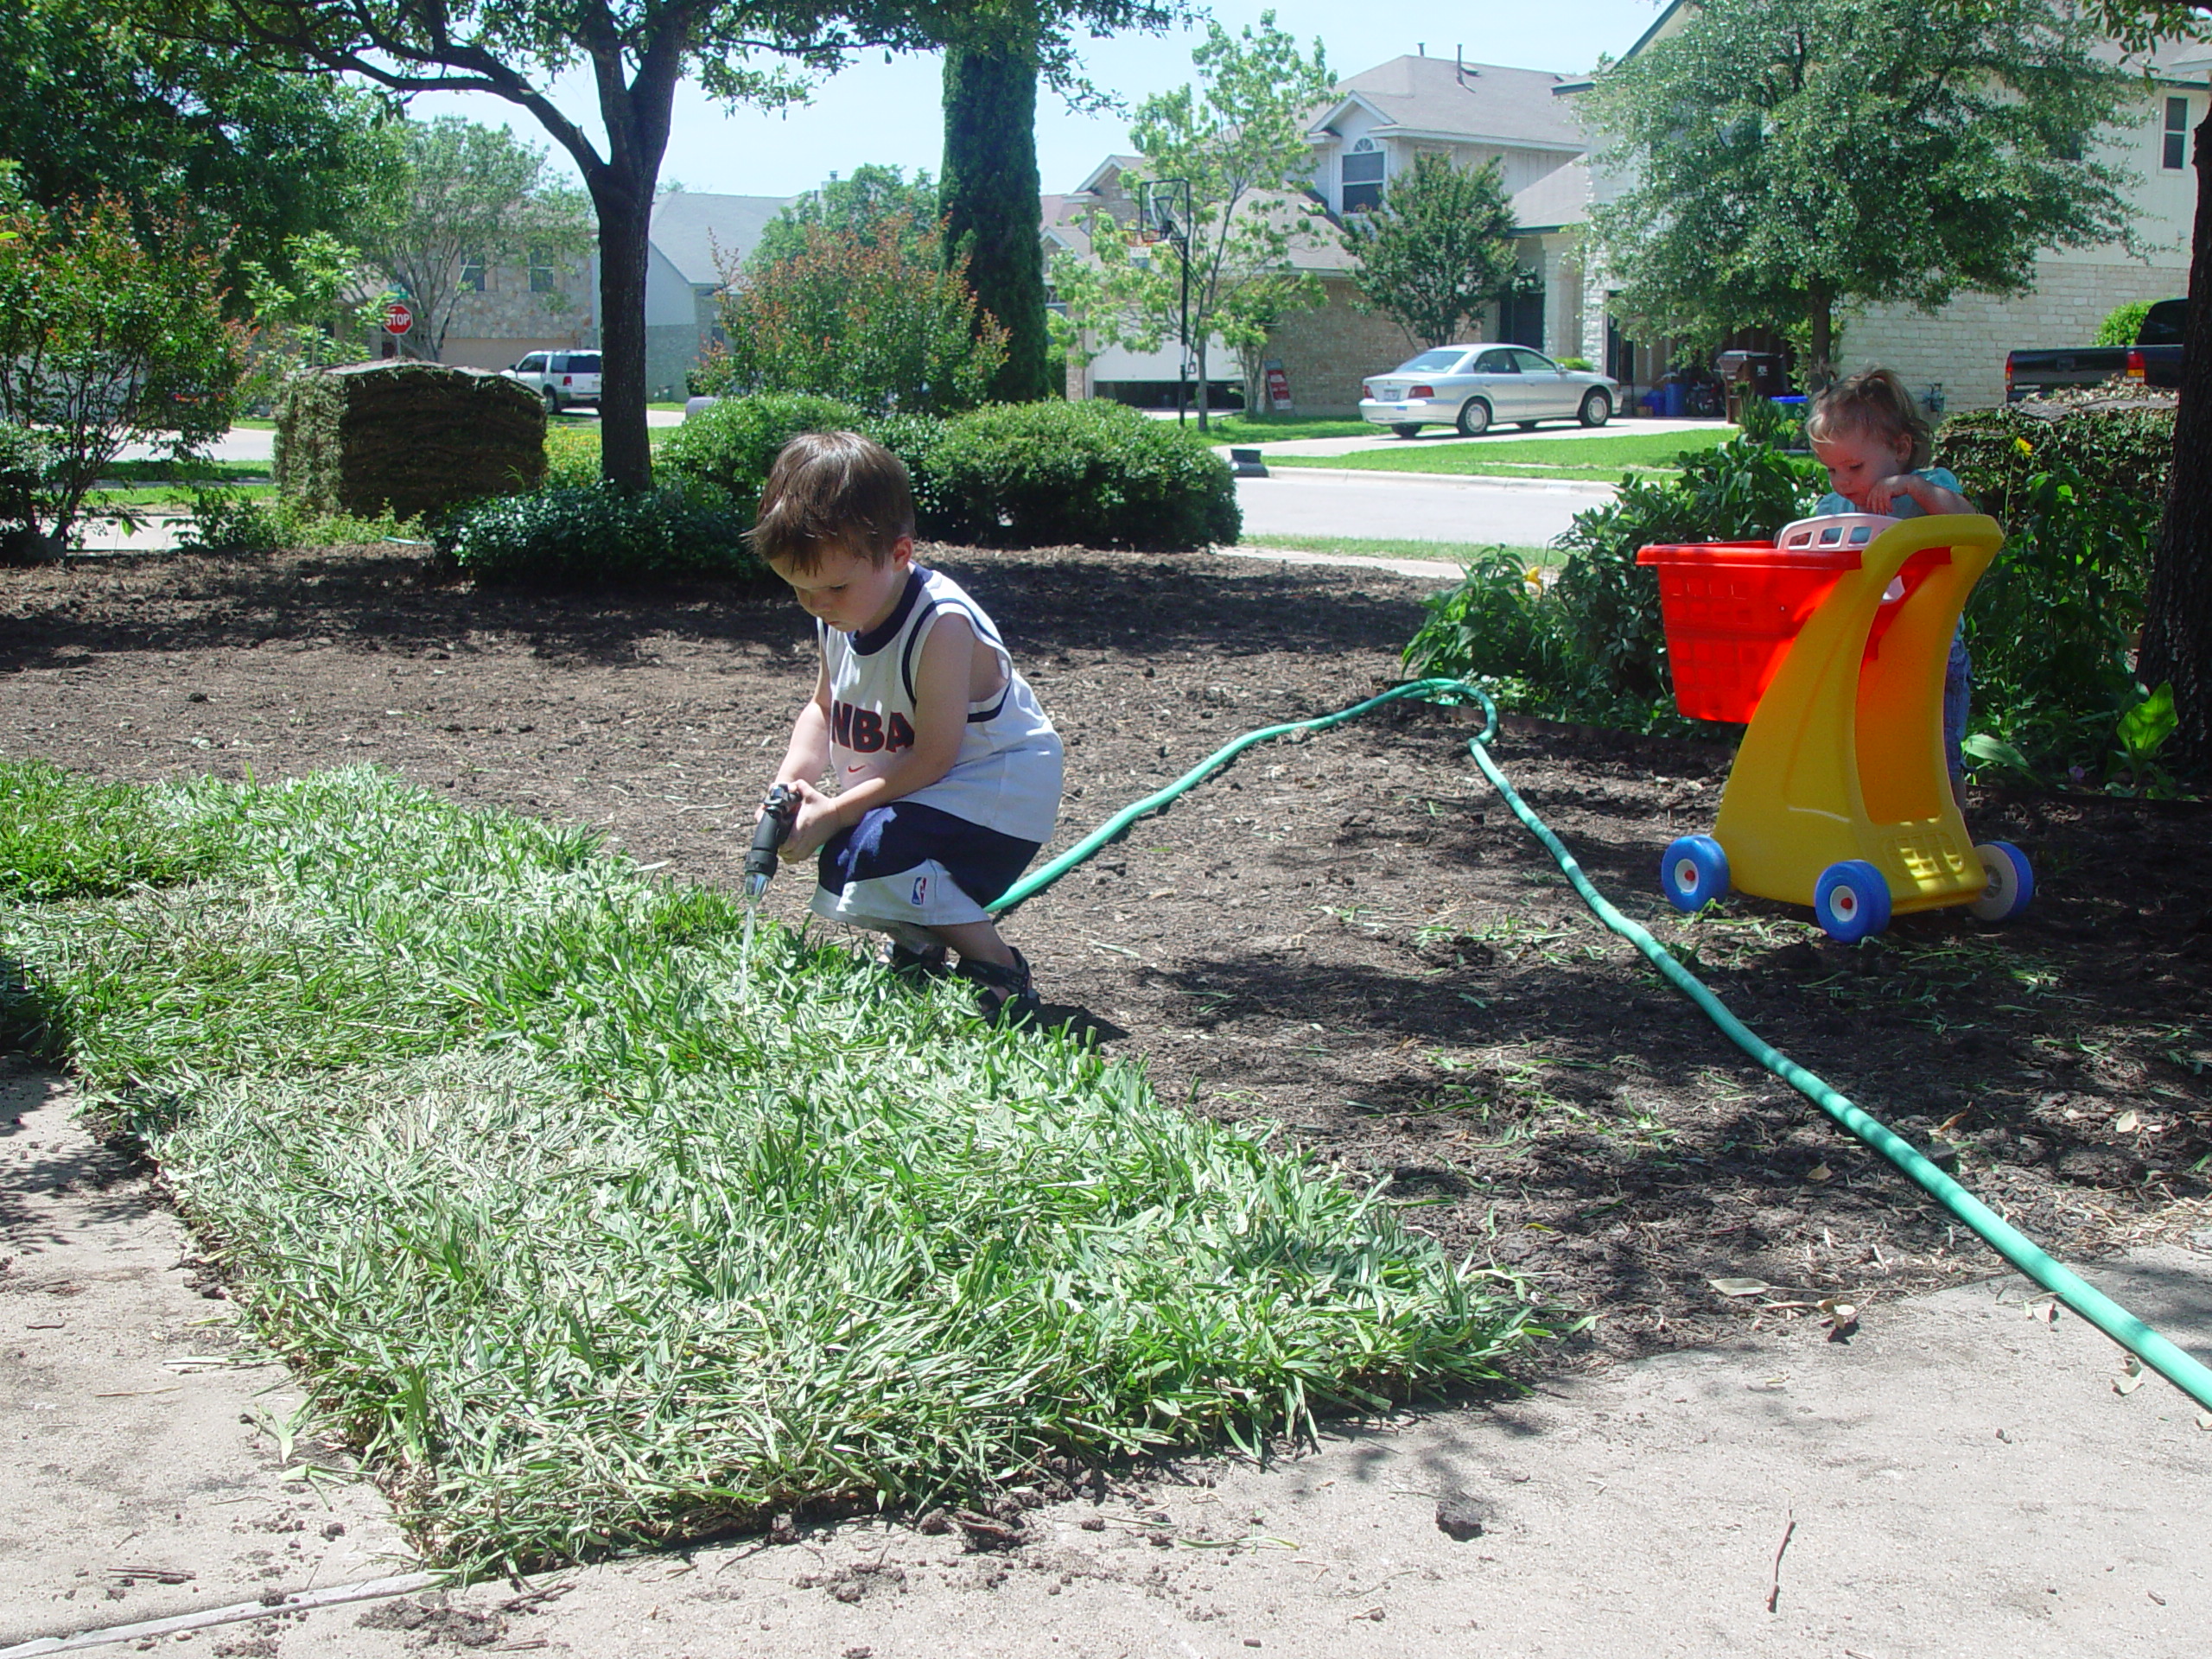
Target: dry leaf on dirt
[1740, 1287]
[1820, 1172]
[2128, 1122]
[2131, 1378]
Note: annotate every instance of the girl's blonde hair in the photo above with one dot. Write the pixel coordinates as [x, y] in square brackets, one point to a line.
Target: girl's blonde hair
[1873, 401]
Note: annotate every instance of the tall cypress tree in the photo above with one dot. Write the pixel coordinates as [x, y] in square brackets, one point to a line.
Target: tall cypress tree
[990, 188]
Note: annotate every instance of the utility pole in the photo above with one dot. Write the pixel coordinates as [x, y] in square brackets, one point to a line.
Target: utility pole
[1167, 216]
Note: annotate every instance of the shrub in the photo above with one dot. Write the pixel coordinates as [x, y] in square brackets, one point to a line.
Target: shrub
[111, 334]
[2051, 625]
[1095, 473]
[2123, 323]
[2127, 450]
[576, 537]
[882, 319]
[571, 457]
[725, 450]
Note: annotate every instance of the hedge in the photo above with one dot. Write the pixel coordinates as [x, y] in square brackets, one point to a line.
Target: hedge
[2127, 450]
[602, 532]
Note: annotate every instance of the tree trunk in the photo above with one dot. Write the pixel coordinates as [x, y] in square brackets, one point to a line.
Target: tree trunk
[992, 212]
[1820, 310]
[2177, 608]
[625, 221]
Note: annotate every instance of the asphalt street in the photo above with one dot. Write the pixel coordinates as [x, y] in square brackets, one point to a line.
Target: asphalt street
[1312, 501]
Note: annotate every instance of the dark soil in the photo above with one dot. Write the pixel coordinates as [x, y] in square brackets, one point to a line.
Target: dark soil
[1349, 935]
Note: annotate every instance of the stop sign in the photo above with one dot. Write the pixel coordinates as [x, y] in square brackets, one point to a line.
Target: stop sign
[397, 319]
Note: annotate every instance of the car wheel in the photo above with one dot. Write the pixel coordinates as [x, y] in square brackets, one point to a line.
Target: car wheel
[552, 401]
[1597, 409]
[1474, 418]
[1407, 429]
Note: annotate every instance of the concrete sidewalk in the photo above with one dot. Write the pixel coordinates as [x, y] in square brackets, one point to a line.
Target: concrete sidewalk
[1961, 1476]
[1383, 438]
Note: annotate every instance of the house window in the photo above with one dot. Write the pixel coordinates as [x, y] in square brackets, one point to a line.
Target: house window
[1362, 179]
[472, 274]
[2177, 152]
[541, 270]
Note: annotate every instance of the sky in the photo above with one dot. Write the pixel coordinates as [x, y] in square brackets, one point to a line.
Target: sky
[889, 114]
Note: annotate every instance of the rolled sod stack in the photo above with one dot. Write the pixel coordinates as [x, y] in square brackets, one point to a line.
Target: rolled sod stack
[411, 437]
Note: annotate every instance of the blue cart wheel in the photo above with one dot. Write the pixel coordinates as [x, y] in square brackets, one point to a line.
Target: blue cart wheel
[2012, 884]
[1693, 873]
[1851, 901]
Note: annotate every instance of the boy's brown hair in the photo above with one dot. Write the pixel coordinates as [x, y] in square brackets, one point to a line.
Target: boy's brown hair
[833, 490]
[1873, 401]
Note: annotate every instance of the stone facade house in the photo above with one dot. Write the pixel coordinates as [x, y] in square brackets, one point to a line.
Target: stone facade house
[1955, 356]
[507, 311]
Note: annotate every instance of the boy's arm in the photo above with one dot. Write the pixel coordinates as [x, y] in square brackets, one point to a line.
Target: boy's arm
[809, 751]
[941, 689]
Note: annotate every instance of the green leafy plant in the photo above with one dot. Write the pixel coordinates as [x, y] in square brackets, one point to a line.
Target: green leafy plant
[1439, 248]
[2122, 323]
[887, 323]
[1996, 452]
[601, 533]
[1592, 645]
[2143, 731]
[1093, 474]
[727, 449]
[108, 337]
[2051, 625]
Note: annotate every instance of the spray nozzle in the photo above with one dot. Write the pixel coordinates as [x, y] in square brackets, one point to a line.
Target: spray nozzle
[780, 807]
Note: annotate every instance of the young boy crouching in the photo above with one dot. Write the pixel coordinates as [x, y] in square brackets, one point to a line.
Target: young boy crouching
[948, 773]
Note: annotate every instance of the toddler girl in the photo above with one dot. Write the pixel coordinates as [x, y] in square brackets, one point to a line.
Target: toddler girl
[1870, 434]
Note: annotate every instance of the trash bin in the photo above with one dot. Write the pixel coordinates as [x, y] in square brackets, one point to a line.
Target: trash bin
[1671, 394]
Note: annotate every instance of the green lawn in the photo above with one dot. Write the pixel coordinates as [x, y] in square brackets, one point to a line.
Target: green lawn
[1604, 457]
[1367, 547]
[589, 1228]
[167, 495]
[1276, 428]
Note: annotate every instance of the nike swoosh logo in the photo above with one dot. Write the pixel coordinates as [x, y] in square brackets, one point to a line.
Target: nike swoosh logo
[853, 769]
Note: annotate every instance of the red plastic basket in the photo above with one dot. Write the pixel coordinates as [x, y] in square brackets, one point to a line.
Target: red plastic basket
[1731, 609]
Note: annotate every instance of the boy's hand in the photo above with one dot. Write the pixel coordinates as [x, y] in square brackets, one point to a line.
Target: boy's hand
[817, 822]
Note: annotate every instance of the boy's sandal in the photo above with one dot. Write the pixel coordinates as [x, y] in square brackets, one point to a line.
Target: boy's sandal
[916, 965]
[1004, 995]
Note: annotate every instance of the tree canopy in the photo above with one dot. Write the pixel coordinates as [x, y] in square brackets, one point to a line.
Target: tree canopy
[467, 194]
[637, 52]
[1784, 159]
[192, 140]
[856, 207]
[1238, 141]
[1438, 250]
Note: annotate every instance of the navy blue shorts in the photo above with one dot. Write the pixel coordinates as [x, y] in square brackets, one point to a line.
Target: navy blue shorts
[908, 865]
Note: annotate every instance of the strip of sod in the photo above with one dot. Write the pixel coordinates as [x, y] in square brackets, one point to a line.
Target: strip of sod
[586, 1242]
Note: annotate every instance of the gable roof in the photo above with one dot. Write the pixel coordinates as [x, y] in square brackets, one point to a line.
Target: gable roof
[689, 227]
[1439, 98]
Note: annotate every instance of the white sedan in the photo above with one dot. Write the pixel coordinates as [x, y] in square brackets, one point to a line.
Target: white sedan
[1477, 387]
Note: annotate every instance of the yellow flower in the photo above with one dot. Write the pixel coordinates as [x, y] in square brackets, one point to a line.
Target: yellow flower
[2024, 445]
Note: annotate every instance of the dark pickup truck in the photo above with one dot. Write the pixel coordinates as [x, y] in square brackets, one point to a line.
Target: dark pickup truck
[2153, 360]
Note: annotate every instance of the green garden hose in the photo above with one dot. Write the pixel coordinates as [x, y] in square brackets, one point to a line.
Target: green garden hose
[2162, 1355]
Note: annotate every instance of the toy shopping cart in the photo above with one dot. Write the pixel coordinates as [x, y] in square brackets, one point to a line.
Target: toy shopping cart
[1831, 642]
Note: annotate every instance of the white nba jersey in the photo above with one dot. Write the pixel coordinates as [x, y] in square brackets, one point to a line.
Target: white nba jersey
[1006, 775]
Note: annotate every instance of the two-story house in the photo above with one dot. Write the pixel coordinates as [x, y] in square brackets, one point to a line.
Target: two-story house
[1379, 121]
[1955, 357]
[504, 312]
